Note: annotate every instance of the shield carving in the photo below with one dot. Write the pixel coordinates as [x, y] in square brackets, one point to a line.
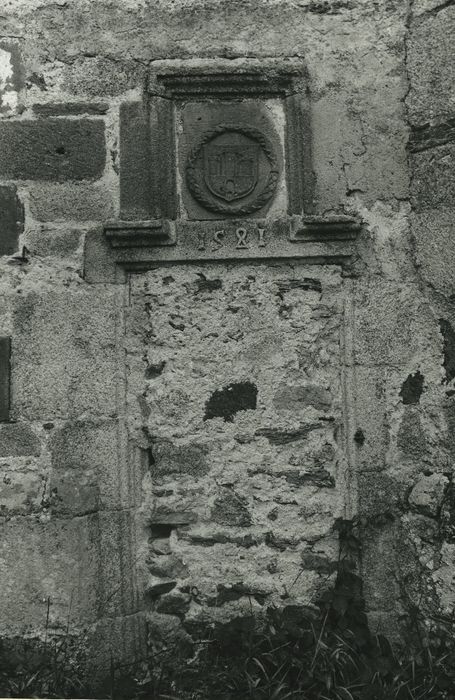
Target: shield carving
[231, 171]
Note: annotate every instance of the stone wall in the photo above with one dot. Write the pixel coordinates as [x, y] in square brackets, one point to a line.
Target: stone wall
[154, 464]
[244, 481]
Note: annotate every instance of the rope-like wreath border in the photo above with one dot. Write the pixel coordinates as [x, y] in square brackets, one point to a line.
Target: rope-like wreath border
[211, 203]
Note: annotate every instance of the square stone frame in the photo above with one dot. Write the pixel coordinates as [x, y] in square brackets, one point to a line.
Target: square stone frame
[149, 229]
[237, 80]
[152, 127]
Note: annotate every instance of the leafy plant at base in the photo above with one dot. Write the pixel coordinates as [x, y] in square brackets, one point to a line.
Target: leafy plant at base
[323, 652]
[50, 669]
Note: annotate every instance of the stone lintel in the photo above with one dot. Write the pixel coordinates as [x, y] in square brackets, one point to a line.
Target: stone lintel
[226, 79]
[219, 85]
[318, 238]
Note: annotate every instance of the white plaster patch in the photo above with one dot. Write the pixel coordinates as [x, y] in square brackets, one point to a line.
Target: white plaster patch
[8, 95]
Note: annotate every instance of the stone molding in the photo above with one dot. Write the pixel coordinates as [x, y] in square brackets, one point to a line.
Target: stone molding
[139, 234]
[185, 85]
[326, 228]
[148, 129]
[320, 239]
[151, 230]
[227, 79]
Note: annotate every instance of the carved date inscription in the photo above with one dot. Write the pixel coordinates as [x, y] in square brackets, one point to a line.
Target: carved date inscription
[238, 239]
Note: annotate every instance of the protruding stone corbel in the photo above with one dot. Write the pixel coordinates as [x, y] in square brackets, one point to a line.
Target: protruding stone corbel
[139, 234]
[337, 227]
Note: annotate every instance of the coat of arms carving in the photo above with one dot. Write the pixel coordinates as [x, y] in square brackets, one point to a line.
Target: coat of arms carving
[230, 172]
[234, 170]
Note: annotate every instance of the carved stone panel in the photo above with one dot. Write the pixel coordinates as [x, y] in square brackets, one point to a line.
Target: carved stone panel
[221, 169]
[231, 160]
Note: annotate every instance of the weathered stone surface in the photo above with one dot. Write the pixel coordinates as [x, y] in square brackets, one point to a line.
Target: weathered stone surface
[317, 477]
[163, 188]
[52, 149]
[275, 472]
[85, 467]
[70, 202]
[174, 603]
[378, 567]
[11, 76]
[231, 509]
[99, 76]
[238, 591]
[379, 494]
[113, 532]
[166, 630]
[428, 493]
[281, 437]
[160, 546]
[372, 419]
[80, 567]
[11, 219]
[65, 360]
[73, 494]
[318, 562]
[433, 231]
[292, 398]
[443, 577]
[58, 560]
[52, 109]
[411, 438]
[22, 492]
[448, 336]
[171, 519]
[168, 566]
[431, 61]
[449, 412]
[427, 7]
[135, 182]
[433, 178]
[164, 32]
[430, 135]
[5, 369]
[18, 439]
[240, 511]
[342, 174]
[99, 266]
[424, 526]
[114, 642]
[157, 587]
[52, 240]
[169, 458]
[402, 324]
